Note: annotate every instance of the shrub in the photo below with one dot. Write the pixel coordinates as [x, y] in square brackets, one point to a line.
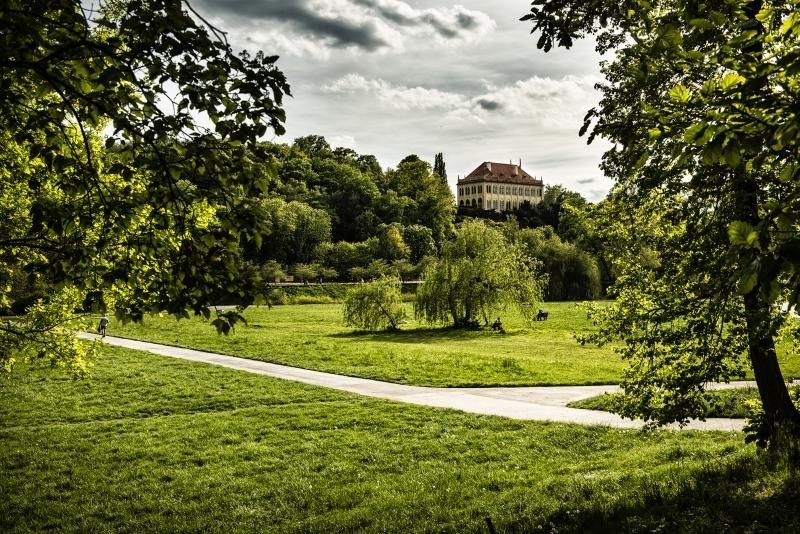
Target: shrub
[375, 305]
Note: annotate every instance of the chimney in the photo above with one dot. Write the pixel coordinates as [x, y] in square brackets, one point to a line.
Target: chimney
[489, 166]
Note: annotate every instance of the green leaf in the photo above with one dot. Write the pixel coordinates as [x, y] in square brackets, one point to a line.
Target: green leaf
[742, 233]
[764, 14]
[787, 172]
[790, 23]
[785, 223]
[703, 24]
[731, 155]
[642, 159]
[732, 80]
[679, 93]
[738, 232]
[694, 132]
[747, 282]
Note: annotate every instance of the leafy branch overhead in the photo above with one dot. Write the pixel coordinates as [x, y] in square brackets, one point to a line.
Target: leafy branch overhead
[700, 103]
[131, 154]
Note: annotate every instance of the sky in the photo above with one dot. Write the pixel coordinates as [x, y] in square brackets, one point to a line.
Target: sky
[399, 77]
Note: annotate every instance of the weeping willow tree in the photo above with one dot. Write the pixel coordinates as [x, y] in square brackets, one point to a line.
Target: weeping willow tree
[478, 275]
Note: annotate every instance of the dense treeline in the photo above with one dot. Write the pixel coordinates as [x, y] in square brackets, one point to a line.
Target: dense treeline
[331, 214]
[334, 214]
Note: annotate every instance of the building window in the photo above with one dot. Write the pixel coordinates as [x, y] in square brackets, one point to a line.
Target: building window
[473, 203]
[494, 204]
[508, 204]
[480, 189]
[461, 203]
[508, 190]
[480, 202]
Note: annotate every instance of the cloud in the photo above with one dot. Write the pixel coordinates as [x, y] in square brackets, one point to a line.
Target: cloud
[453, 23]
[489, 104]
[586, 181]
[551, 102]
[334, 27]
[399, 97]
[345, 141]
[314, 27]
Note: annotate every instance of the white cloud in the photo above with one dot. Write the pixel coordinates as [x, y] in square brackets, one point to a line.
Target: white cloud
[345, 141]
[551, 102]
[399, 97]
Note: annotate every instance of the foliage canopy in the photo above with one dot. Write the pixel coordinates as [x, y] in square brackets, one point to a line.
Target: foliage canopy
[375, 305]
[701, 105]
[115, 194]
[479, 273]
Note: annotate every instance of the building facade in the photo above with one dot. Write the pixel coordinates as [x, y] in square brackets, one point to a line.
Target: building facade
[498, 186]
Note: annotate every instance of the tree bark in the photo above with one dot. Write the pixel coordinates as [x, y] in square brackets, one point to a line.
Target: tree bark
[777, 404]
[775, 399]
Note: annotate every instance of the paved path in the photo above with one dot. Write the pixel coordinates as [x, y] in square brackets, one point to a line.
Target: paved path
[530, 403]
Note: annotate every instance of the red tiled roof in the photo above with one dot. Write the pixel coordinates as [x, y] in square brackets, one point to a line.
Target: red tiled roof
[506, 173]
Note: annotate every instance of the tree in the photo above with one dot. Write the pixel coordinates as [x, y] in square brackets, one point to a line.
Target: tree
[439, 168]
[391, 245]
[701, 106]
[420, 240]
[433, 201]
[572, 273]
[375, 305]
[478, 274]
[113, 193]
[305, 271]
[403, 268]
[295, 231]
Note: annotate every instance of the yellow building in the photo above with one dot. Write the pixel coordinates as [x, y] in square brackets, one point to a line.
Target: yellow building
[498, 186]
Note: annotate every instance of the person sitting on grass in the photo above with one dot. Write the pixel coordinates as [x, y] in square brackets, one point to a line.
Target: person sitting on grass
[498, 326]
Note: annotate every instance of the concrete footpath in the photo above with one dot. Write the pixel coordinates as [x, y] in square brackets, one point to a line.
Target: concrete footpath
[547, 403]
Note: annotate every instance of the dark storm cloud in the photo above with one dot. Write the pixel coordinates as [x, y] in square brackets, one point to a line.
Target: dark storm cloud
[343, 33]
[393, 12]
[489, 105]
[586, 181]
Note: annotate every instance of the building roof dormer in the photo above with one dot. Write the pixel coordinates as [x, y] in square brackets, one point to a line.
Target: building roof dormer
[506, 173]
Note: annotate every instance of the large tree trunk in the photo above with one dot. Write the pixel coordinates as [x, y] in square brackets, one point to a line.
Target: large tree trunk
[778, 407]
[771, 385]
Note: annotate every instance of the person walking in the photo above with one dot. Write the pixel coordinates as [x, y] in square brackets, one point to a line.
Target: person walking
[101, 328]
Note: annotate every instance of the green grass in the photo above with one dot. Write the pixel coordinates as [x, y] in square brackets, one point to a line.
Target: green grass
[314, 337]
[152, 444]
[722, 403]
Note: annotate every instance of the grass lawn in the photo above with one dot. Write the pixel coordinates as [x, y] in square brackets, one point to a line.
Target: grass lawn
[314, 337]
[152, 444]
[723, 403]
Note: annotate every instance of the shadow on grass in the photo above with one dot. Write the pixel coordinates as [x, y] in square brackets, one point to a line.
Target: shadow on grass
[426, 335]
[747, 496]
